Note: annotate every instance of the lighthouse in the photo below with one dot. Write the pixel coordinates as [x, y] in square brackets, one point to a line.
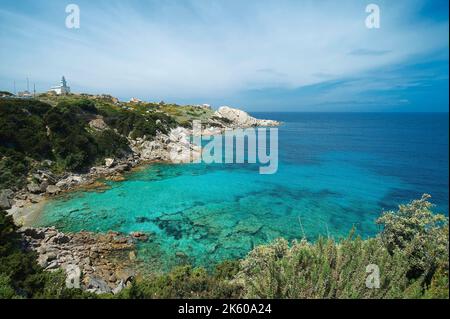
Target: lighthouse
[61, 89]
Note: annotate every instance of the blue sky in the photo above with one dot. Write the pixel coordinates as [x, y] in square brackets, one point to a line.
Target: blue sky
[260, 55]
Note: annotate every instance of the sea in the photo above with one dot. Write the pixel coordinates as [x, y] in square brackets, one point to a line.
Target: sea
[337, 173]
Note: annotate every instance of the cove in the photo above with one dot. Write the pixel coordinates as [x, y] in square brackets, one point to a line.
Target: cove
[336, 172]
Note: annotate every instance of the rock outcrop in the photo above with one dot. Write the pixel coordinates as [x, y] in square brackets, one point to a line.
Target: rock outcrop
[236, 118]
[101, 261]
[6, 198]
[98, 124]
[53, 189]
[34, 188]
[175, 147]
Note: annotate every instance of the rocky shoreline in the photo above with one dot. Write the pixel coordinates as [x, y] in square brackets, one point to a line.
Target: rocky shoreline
[174, 147]
[99, 263]
[104, 262]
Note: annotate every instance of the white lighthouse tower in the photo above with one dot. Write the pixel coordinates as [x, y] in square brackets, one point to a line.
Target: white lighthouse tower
[61, 89]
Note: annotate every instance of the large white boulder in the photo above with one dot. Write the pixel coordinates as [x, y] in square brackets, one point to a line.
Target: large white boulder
[241, 119]
[175, 147]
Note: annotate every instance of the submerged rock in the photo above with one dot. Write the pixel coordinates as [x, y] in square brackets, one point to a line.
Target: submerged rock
[139, 236]
[142, 219]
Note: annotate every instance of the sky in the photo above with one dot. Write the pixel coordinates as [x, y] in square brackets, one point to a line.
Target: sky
[259, 55]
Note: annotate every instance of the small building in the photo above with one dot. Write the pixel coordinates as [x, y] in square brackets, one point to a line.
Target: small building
[25, 94]
[61, 89]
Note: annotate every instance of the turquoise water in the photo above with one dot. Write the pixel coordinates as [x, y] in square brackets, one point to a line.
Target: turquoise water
[336, 171]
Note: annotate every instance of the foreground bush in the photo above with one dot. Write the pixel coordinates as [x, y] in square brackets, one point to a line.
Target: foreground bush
[419, 235]
[187, 282]
[411, 253]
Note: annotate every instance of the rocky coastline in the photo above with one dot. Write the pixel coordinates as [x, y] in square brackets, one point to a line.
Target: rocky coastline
[105, 261]
[99, 263]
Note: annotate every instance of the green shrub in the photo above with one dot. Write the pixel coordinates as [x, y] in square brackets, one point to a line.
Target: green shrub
[6, 289]
[110, 144]
[13, 169]
[419, 234]
[413, 239]
[138, 125]
[22, 129]
[182, 282]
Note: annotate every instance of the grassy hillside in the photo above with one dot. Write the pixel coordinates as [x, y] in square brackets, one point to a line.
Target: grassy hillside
[182, 114]
[56, 128]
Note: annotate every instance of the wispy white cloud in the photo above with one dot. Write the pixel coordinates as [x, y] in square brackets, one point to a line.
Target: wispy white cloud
[210, 49]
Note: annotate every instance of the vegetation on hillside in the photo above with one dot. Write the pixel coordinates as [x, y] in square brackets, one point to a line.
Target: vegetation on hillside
[53, 132]
[185, 115]
[21, 276]
[32, 131]
[411, 253]
[55, 128]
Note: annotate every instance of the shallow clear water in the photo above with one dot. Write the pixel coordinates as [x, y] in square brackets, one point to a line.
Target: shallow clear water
[336, 171]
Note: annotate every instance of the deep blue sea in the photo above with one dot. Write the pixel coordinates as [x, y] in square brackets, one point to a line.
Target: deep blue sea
[336, 171]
